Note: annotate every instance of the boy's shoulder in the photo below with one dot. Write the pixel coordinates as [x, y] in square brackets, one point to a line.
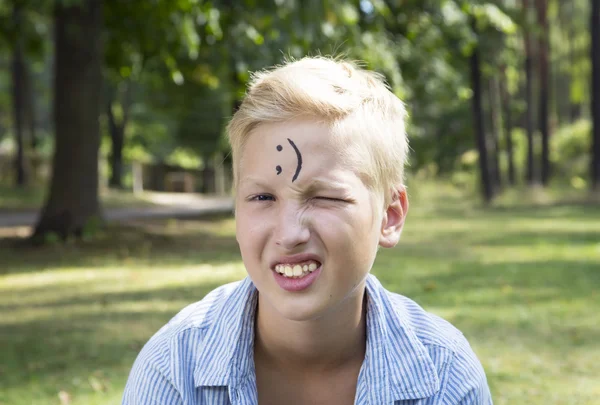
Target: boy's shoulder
[460, 374]
[167, 362]
[430, 329]
[201, 314]
[187, 329]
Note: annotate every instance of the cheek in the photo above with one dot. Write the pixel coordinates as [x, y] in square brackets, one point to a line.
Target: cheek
[360, 236]
[349, 233]
[250, 232]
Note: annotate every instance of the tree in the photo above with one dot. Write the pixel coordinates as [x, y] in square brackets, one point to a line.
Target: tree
[495, 128]
[508, 125]
[486, 183]
[73, 196]
[23, 29]
[528, 93]
[116, 129]
[544, 87]
[18, 91]
[595, 107]
[147, 40]
[578, 58]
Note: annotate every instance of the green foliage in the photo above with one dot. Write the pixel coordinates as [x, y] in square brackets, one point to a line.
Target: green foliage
[569, 152]
[180, 67]
[30, 30]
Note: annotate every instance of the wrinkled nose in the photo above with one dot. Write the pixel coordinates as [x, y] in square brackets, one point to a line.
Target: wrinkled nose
[291, 228]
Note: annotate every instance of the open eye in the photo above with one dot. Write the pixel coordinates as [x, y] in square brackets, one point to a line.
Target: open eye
[262, 197]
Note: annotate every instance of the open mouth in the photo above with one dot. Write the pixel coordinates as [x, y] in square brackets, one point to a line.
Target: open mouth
[297, 270]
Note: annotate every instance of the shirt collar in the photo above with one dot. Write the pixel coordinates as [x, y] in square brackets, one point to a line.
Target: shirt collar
[397, 365]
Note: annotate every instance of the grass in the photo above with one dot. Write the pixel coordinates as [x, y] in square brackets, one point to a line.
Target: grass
[32, 198]
[521, 281]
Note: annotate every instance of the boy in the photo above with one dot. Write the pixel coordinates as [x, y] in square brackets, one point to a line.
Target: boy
[318, 150]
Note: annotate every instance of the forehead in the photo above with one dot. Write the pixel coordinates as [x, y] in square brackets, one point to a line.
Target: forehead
[327, 162]
[305, 133]
[304, 144]
[273, 153]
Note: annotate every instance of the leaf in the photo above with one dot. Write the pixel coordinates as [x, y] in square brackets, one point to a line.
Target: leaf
[497, 18]
[349, 14]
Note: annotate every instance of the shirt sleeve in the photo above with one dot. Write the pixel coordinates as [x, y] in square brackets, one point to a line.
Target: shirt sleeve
[467, 383]
[148, 386]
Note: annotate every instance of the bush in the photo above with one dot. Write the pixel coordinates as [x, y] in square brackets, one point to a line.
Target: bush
[570, 153]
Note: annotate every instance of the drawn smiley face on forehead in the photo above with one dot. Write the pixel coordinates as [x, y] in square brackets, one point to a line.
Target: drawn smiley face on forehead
[298, 157]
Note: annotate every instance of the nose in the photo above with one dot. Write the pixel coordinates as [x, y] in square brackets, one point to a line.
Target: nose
[291, 228]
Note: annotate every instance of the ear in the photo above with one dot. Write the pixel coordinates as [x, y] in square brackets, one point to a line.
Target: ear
[393, 218]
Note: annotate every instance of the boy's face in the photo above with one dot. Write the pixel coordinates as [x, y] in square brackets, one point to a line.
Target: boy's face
[301, 210]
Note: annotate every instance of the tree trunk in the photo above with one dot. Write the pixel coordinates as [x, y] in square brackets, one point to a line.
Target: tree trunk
[478, 128]
[208, 177]
[18, 78]
[528, 95]
[595, 107]
[30, 113]
[560, 78]
[73, 196]
[117, 133]
[506, 107]
[544, 89]
[575, 107]
[116, 153]
[495, 129]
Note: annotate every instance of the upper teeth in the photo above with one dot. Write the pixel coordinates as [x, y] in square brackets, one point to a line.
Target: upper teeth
[296, 270]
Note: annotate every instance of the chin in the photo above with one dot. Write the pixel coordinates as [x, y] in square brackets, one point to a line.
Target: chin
[293, 313]
[297, 308]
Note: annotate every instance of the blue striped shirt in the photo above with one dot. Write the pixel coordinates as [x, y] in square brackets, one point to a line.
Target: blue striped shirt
[204, 355]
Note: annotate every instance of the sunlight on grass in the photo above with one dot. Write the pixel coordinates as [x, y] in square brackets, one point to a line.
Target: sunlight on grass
[522, 283]
[29, 198]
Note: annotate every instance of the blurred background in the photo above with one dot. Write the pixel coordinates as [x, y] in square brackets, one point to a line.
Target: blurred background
[115, 176]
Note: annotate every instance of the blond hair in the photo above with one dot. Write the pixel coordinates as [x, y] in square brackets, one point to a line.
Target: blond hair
[367, 120]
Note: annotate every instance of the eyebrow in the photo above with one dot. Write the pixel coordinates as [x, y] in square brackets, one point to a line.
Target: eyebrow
[323, 184]
[315, 185]
[254, 181]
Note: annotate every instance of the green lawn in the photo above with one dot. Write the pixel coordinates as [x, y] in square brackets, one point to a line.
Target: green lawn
[522, 282]
[32, 198]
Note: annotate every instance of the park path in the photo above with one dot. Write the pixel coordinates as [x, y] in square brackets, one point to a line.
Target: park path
[166, 205]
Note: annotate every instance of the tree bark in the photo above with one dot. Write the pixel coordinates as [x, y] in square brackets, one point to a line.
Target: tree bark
[18, 78]
[117, 133]
[544, 87]
[506, 107]
[208, 177]
[494, 134]
[30, 113]
[528, 95]
[116, 154]
[73, 196]
[568, 14]
[595, 107]
[575, 107]
[478, 128]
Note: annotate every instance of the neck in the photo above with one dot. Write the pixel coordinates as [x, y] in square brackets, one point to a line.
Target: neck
[334, 340]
